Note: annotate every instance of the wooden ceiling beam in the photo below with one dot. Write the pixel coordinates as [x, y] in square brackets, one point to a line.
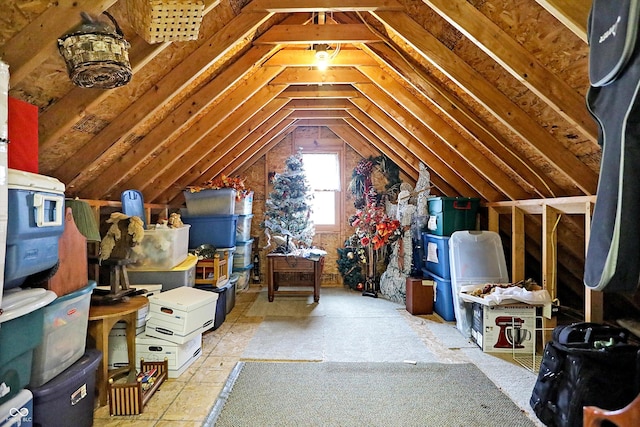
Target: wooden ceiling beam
[425, 125]
[242, 147]
[573, 14]
[319, 104]
[313, 33]
[152, 101]
[225, 118]
[186, 124]
[302, 76]
[319, 114]
[193, 169]
[317, 92]
[60, 117]
[514, 58]
[260, 148]
[467, 120]
[57, 119]
[192, 164]
[307, 58]
[293, 6]
[365, 148]
[376, 120]
[491, 98]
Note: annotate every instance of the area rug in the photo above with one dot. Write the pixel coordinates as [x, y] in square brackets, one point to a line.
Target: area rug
[343, 327]
[362, 394]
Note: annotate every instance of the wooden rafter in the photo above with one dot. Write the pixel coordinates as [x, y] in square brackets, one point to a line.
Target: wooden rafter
[561, 97]
[179, 78]
[487, 95]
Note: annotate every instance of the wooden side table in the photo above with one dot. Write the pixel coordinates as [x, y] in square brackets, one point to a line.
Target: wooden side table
[297, 266]
[101, 319]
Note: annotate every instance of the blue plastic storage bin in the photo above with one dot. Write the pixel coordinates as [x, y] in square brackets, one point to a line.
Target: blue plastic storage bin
[443, 304]
[216, 230]
[69, 396]
[35, 224]
[436, 255]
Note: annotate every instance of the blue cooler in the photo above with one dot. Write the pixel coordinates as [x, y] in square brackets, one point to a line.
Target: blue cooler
[69, 396]
[35, 223]
[18, 411]
[21, 331]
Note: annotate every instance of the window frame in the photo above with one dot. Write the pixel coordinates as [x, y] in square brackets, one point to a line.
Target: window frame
[339, 152]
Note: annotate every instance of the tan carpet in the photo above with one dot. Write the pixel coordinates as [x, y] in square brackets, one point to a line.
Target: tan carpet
[363, 394]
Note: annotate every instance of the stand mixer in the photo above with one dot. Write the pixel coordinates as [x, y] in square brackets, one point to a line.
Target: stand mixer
[511, 334]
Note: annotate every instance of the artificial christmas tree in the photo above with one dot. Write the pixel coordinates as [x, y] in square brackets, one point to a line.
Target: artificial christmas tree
[288, 208]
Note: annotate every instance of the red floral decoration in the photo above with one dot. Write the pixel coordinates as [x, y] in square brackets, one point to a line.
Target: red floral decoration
[373, 226]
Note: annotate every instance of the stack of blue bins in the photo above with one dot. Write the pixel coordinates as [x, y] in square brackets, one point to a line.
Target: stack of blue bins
[446, 216]
[211, 214]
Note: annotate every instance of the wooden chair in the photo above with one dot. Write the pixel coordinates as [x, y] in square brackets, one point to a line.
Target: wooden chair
[629, 416]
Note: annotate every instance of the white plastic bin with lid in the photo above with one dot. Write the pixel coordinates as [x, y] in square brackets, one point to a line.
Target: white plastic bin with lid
[475, 257]
[21, 327]
[64, 335]
[220, 201]
[161, 249]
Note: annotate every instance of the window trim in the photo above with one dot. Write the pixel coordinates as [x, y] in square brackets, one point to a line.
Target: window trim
[337, 227]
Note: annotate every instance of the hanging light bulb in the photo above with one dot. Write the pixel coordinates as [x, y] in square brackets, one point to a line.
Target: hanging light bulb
[322, 56]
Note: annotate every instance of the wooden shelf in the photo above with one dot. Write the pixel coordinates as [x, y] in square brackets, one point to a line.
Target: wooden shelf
[130, 398]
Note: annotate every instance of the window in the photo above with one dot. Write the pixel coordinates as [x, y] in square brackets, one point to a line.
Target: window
[323, 174]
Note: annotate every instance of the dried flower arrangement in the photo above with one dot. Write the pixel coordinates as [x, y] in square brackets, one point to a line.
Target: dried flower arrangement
[223, 181]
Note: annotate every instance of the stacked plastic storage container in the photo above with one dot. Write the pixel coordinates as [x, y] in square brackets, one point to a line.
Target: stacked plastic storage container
[477, 257]
[4, 166]
[242, 259]
[446, 216]
[21, 331]
[219, 219]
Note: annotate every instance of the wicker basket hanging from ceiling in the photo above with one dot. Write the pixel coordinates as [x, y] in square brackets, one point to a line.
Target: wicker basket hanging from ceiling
[159, 21]
[97, 55]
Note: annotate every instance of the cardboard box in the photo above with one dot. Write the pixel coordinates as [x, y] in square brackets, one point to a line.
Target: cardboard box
[504, 328]
[179, 356]
[179, 314]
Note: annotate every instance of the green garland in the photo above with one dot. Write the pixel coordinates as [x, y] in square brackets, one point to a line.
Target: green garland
[350, 268]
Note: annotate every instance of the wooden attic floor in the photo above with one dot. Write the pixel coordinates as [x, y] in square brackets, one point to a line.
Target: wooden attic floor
[188, 400]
